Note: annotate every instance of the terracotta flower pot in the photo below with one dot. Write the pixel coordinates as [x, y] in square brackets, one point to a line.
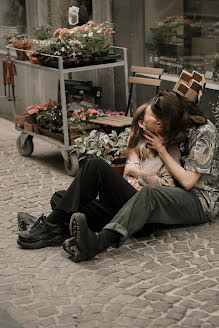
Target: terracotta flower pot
[36, 128]
[119, 168]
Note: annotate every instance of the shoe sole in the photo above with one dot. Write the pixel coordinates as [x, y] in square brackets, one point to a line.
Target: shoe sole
[55, 241]
[76, 246]
[71, 248]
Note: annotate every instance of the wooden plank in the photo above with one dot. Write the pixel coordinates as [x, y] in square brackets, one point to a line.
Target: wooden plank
[118, 118]
[146, 70]
[141, 80]
[118, 121]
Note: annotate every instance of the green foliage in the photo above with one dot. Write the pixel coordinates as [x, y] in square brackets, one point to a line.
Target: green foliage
[51, 119]
[109, 147]
[41, 34]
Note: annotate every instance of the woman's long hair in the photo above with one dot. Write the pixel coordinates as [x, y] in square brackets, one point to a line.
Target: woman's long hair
[136, 140]
[177, 114]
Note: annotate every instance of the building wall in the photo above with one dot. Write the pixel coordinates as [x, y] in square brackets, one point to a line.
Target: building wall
[35, 86]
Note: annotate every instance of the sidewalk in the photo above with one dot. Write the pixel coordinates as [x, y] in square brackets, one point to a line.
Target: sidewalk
[169, 279]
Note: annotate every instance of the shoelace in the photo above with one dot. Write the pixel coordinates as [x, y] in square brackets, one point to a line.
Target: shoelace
[39, 223]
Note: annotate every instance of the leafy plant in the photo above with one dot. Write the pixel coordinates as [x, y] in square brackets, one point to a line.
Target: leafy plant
[83, 116]
[48, 116]
[88, 39]
[216, 115]
[41, 33]
[109, 147]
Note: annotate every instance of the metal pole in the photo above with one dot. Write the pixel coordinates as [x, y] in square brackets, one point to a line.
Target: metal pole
[63, 103]
[126, 76]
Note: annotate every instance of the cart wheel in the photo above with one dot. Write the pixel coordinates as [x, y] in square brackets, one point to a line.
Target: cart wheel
[72, 166]
[27, 148]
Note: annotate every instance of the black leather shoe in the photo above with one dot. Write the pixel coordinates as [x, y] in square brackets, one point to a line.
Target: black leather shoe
[85, 244]
[41, 235]
[25, 221]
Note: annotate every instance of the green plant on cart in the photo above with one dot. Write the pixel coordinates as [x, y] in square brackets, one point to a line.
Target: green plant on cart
[50, 117]
[83, 116]
[47, 116]
[109, 147]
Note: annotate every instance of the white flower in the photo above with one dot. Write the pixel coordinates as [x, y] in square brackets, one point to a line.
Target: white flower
[99, 31]
[90, 34]
[63, 49]
[84, 35]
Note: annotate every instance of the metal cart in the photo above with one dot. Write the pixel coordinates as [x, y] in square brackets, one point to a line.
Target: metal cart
[25, 140]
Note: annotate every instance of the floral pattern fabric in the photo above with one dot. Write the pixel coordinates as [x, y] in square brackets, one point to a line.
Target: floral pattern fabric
[201, 154]
[154, 172]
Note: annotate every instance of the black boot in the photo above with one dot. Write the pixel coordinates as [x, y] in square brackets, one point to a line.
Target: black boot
[41, 235]
[85, 244]
[25, 221]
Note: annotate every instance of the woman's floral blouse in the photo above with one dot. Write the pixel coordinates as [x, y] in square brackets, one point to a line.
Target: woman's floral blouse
[201, 155]
[154, 172]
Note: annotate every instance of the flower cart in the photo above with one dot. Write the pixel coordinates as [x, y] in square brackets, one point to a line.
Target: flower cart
[25, 140]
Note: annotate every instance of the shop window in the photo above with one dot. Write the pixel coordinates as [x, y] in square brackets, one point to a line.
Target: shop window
[183, 35]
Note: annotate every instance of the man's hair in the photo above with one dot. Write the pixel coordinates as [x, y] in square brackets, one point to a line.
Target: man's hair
[177, 114]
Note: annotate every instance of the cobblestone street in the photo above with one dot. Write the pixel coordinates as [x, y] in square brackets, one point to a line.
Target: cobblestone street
[168, 279]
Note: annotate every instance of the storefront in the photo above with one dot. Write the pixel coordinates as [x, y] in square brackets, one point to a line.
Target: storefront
[183, 34]
[170, 34]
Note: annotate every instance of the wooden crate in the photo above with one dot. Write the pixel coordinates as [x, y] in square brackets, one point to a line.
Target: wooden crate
[81, 130]
[28, 126]
[19, 119]
[53, 135]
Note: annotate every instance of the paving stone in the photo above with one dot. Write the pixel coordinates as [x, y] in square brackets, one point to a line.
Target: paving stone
[214, 320]
[167, 279]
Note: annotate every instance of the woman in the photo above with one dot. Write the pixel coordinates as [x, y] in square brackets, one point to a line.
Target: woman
[195, 202]
[98, 178]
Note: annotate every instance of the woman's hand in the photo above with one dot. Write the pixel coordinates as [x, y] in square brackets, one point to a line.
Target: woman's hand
[132, 169]
[155, 142]
[134, 183]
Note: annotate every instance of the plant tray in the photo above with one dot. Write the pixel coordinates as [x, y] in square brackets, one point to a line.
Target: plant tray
[20, 119]
[53, 61]
[53, 135]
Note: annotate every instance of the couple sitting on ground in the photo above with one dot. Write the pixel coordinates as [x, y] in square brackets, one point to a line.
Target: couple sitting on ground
[155, 187]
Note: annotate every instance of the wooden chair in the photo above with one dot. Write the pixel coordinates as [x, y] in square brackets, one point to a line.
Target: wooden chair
[146, 76]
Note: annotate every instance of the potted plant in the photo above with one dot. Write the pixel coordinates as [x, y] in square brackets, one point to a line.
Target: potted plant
[82, 45]
[109, 147]
[79, 122]
[20, 42]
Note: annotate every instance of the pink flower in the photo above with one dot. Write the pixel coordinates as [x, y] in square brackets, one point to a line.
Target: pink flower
[33, 111]
[83, 118]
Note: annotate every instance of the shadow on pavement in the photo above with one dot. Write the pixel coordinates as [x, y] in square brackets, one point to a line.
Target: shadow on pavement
[7, 322]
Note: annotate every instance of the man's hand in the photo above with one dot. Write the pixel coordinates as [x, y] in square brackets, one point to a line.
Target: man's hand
[155, 142]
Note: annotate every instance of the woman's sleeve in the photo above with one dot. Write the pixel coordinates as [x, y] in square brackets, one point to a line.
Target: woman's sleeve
[163, 176]
[201, 152]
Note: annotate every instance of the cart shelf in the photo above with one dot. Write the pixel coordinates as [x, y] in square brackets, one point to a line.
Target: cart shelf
[25, 143]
